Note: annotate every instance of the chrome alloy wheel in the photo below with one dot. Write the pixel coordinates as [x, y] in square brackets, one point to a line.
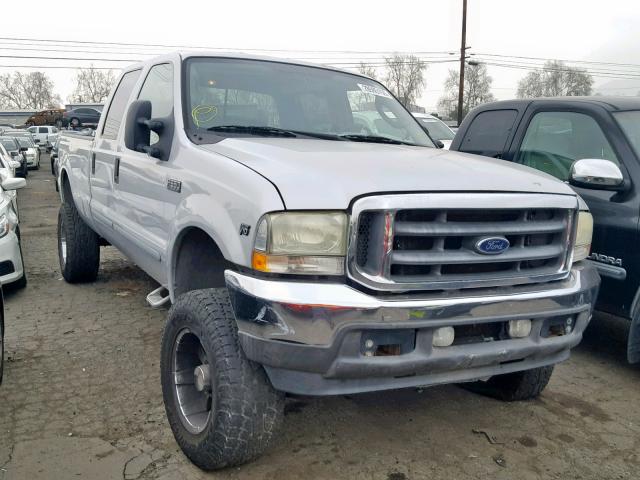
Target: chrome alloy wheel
[192, 381]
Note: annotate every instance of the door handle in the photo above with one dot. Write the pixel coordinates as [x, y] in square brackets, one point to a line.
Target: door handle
[116, 171]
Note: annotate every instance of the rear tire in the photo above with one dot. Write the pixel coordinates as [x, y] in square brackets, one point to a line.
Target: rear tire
[78, 246]
[516, 386]
[239, 411]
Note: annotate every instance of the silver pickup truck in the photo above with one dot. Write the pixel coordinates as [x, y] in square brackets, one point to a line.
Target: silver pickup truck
[313, 241]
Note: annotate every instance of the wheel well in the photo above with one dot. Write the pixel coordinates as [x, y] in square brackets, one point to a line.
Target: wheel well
[66, 187]
[198, 263]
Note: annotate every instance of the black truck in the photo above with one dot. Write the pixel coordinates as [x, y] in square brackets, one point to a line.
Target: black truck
[593, 143]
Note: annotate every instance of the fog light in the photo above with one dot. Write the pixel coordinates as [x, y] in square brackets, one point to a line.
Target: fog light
[569, 326]
[519, 328]
[443, 336]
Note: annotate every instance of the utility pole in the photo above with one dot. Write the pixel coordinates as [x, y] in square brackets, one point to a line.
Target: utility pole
[463, 54]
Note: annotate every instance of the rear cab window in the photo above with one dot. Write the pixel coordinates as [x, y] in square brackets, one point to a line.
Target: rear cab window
[118, 104]
[488, 133]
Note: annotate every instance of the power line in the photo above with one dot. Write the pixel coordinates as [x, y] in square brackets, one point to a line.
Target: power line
[563, 68]
[594, 74]
[560, 60]
[61, 67]
[199, 47]
[70, 58]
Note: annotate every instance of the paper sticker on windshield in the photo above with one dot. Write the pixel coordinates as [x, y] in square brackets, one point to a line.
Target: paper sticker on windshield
[373, 90]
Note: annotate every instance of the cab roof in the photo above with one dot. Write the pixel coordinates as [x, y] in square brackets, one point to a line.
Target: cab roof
[612, 103]
[183, 54]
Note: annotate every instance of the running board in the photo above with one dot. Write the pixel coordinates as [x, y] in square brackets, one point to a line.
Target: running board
[158, 298]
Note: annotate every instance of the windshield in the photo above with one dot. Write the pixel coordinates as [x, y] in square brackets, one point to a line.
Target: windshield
[9, 144]
[437, 129]
[630, 124]
[251, 93]
[25, 142]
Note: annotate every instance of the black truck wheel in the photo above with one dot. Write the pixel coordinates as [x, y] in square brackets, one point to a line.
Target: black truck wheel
[221, 406]
[515, 386]
[78, 246]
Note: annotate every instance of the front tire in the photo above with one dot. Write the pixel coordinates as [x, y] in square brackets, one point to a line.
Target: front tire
[221, 406]
[78, 246]
[511, 387]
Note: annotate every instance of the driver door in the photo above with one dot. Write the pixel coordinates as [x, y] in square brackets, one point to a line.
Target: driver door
[553, 140]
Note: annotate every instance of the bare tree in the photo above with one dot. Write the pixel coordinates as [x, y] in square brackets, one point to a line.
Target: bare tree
[92, 85]
[27, 91]
[368, 70]
[405, 77]
[477, 90]
[554, 80]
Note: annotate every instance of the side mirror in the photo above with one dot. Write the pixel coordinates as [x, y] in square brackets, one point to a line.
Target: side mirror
[137, 135]
[14, 164]
[439, 143]
[14, 154]
[13, 183]
[36, 140]
[23, 149]
[596, 174]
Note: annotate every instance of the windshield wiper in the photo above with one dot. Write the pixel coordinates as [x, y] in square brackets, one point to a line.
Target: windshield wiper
[375, 139]
[253, 130]
[275, 131]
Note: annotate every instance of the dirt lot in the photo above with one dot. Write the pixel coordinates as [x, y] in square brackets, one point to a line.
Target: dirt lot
[81, 397]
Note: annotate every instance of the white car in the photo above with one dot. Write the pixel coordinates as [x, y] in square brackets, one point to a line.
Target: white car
[44, 135]
[33, 152]
[436, 128]
[11, 263]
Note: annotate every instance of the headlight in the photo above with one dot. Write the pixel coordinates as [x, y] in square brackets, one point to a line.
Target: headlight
[311, 243]
[584, 232]
[7, 222]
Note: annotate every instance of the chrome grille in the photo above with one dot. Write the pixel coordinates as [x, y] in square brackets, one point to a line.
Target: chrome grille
[405, 245]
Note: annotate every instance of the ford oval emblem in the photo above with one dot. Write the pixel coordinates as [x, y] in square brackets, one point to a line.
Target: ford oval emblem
[492, 245]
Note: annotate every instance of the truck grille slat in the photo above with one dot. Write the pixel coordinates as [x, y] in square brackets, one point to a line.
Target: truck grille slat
[435, 248]
[477, 228]
[413, 257]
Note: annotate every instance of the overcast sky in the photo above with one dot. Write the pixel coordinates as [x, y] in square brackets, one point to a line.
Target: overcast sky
[560, 29]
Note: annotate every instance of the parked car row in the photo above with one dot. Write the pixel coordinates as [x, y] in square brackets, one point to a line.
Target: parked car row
[12, 271]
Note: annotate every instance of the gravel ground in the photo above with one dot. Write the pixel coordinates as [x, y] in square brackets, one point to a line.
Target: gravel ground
[81, 397]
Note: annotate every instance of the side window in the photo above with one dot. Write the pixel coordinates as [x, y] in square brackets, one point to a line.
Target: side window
[33, 129]
[158, 89]
[488, 133]
[554, 140]
[119, 104]
[54, 130]
[43, 130]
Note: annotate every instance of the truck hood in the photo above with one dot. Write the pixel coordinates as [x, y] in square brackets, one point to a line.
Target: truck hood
[313, 174]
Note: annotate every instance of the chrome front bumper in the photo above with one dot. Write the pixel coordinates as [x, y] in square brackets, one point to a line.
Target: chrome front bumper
[309, 336]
